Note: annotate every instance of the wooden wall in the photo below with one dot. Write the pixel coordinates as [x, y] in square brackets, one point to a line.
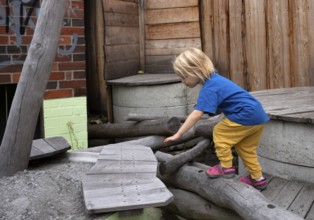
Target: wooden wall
[170, 27]
[261, 44]
[122, 48]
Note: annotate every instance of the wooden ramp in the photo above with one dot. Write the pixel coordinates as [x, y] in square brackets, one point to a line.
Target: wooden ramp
[124, 178]
[295, 196]
[47, 147]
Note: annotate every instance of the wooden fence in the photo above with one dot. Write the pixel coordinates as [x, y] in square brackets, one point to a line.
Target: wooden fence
[259, 44]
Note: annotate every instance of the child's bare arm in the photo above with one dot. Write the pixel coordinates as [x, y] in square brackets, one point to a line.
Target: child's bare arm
[189, 123]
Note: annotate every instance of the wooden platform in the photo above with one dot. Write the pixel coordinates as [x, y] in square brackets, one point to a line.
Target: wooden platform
[47, 147]
[297, 197]
[289, 104]
[124, 178]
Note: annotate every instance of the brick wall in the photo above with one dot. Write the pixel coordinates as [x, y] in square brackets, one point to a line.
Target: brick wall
[16, 29]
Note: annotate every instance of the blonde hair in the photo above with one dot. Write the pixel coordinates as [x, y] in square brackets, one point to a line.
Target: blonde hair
[193, 62]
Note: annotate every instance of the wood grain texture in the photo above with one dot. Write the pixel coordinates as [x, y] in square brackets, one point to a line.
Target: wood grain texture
[155, 4]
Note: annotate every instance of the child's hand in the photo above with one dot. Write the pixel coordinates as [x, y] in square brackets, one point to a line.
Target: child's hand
[175, 137]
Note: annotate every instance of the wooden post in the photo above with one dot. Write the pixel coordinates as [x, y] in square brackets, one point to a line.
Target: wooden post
[18, 136]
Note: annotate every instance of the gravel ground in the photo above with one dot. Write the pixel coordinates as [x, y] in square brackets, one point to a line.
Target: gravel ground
[49, 189]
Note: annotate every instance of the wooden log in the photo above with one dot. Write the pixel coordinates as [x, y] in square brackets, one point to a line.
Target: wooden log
[143, 117]
[169, 166]
[184, 146]
[19, 133]
[205, 128]
[248, 202]
[134, 129]
[192, 206]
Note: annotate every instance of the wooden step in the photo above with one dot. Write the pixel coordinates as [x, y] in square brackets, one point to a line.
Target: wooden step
[47, 147]
[124, 178]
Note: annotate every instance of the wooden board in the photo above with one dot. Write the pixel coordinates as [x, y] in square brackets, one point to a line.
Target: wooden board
[124, 178]
[42, 148]
[289, 104]
[295, 196]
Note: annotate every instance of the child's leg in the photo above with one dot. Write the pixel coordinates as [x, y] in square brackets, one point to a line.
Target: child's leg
[246, 149]
[226, 134]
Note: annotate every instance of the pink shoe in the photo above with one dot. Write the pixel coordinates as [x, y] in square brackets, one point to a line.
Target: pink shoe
[218, 171]
[260, 185]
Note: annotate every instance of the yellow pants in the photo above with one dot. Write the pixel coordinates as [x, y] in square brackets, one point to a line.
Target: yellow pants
[245, 139]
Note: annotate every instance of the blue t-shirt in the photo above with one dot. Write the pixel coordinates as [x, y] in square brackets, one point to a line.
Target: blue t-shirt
[220, 94]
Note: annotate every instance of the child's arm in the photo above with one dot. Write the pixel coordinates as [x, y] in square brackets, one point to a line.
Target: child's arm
[189, 123]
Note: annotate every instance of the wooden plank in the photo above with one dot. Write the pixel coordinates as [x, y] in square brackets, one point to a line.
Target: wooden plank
[166, 69]
[155, 4]
[172, 15]
[255, 42]
[171, 31]
[142, 33]
[146, 79]
[121, 69]
[288, 193]
[303, 201]
[278, 44]
[274, 188]
[124, 52]
[149, 198]
[43, 146]
[299, 44]
[119, 167]
[310, 214]
[124, 183]
[102, 96]
[123, 7]
[170, 46]
[121, 35]
[125, 189]
[206, 10]
[221, 36]
[116, 19]
[58, 143]
[99, 181]
[160, 60]
[237, 68]
[311, 41]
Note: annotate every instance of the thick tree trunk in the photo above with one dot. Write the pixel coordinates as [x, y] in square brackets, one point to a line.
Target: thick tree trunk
[205, 128]
[17, 140]
[192, 206]
[229, 193]
[169, 166]
[143, 117]
[125, 129]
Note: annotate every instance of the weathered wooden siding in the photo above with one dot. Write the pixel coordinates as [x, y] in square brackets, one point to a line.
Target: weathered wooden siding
[260, 44]
[170, 27]
[122, 45]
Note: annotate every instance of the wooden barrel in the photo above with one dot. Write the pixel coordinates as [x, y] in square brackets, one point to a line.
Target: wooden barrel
[151, 94]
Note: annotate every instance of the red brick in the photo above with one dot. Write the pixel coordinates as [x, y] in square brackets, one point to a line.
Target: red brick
[16, 77]
[65, 40]
[61, 58]
[52, 85]
[72, 84]
[57, 76]
[72, 30]
[55, 67]
[68, 75]
[79, 57]
[77, 4]
[79, 92]
[12, 68]
[6, 78]
[72, 66]
[4, 40]
[78, 13]
[79, 75]
[56, 94]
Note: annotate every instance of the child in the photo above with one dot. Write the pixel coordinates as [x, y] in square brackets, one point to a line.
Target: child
[244, 120]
